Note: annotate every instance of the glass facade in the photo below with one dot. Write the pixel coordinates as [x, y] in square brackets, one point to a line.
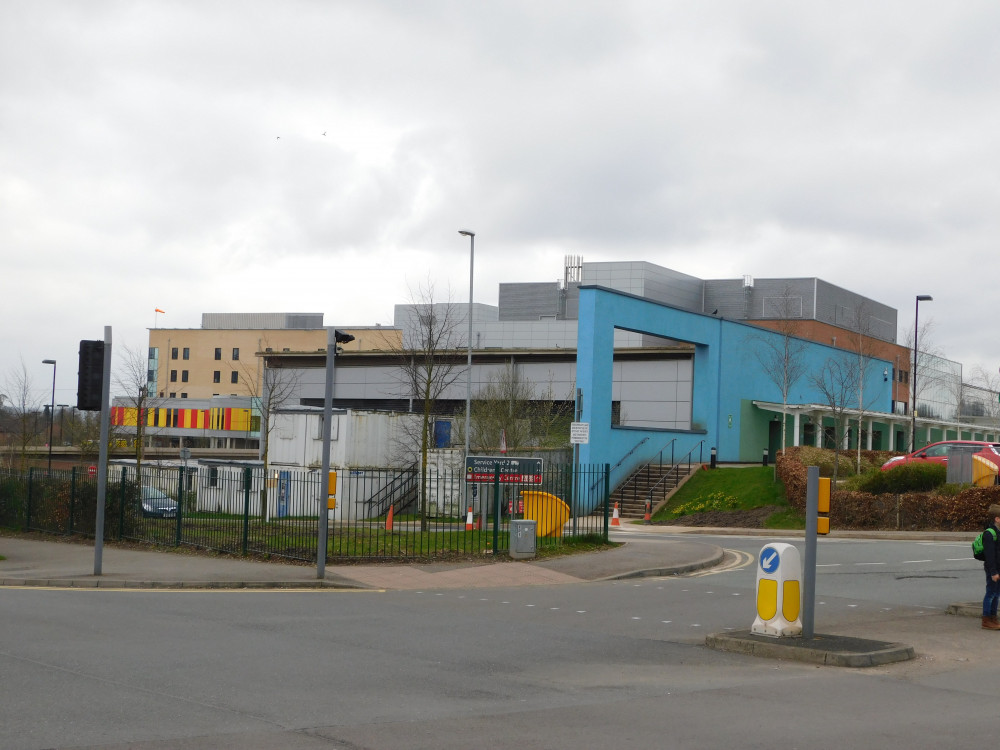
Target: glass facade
[939, 387]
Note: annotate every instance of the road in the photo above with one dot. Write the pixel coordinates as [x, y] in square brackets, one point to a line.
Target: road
[571, 666]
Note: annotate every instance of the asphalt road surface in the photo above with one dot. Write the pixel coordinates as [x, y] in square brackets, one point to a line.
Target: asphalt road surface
[615, 664]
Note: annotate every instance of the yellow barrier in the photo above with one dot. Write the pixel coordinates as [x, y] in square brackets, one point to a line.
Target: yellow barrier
[548, 511]
[984, 472]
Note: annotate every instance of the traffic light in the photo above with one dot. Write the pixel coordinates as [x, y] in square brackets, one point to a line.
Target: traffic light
[823, 506]
[90, 376]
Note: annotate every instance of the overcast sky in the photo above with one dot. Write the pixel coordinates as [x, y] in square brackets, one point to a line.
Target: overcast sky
[321, 156]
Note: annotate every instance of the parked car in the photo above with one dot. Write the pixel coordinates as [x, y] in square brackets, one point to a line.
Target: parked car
[156, 504]
[937, 453]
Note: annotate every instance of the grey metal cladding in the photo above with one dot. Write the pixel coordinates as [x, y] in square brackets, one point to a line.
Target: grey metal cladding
[647, 280]
[529, 300]
[261, 321]
[782, 298]
[841, 307]
[724, 297]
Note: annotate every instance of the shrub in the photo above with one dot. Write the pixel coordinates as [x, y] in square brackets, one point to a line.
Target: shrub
[712, 501]
[907, 478]
[958, 508]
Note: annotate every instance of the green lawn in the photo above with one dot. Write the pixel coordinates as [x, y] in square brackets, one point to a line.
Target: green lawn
[732, 490]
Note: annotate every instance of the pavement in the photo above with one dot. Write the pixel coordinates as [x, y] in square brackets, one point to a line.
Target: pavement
[42, 561]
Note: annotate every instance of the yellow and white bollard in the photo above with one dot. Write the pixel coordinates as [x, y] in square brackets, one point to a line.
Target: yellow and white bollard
[779, 591]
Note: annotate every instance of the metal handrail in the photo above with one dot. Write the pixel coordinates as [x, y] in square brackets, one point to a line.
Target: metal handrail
[620, 461]
[634, 449]
[401, 486]
[644, 469]
[675, 468]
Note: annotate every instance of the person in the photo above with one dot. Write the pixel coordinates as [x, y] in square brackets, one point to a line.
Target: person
[991, 564]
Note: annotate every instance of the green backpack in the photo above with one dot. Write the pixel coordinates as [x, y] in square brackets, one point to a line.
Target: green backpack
[977, 543]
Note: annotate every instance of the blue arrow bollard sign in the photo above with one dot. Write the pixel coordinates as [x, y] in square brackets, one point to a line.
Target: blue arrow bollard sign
[769, 559]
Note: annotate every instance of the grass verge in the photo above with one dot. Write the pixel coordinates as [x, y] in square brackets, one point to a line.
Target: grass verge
[732, 492]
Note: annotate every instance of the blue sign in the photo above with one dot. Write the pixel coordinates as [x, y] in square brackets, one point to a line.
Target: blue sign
[769, 559]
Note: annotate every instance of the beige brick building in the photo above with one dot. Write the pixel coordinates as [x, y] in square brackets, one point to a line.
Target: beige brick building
[221, 358]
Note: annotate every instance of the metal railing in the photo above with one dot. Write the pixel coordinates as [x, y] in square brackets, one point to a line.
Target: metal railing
[643, 471]
[675, 469]
[238, 510]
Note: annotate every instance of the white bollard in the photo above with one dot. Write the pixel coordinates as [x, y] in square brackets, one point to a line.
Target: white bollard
[779, 591]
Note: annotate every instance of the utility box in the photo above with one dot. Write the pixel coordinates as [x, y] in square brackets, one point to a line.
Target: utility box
[522, 539]
[960, 463]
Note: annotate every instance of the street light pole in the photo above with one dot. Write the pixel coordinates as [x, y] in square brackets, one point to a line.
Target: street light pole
[52, 407]
[913, 372]
[468, 374]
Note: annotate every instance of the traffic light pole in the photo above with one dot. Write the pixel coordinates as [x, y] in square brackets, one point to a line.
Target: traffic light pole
[324, 507]
[102, 463]
[809, 563]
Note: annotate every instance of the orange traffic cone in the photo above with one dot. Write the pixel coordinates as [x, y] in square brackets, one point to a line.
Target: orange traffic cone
[616, 519]
[388, 520]
[479, 522]
[468, 520]
[648, 518]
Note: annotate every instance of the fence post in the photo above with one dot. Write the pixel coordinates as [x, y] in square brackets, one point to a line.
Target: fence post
[27, 509]
[180, 504]
[72, 498]
[247, 481]
[121, 504]
[607, 498]
[496, 511]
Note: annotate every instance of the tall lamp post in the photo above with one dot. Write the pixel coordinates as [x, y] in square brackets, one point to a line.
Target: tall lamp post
[52, 407]
[468, 374]
[913, 373]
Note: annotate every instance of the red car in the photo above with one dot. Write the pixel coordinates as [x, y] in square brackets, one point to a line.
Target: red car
[938, 453]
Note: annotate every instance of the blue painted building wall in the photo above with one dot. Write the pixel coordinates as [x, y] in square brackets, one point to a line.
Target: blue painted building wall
[727, 374]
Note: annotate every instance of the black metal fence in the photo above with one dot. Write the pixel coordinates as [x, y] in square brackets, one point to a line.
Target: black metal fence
[375, 514]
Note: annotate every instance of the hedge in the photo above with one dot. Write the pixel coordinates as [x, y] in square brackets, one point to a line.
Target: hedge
[918, 511]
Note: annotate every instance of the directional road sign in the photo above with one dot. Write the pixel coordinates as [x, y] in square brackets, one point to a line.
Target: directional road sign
[512, 470]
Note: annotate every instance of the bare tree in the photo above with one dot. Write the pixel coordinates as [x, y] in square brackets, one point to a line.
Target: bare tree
[132, 379]
[270, 388]
[781, 355]
[927, 376]
[862, 346]
[988, 385]
[430, 361]
[21, 410]
[837, 382]
[509, 406]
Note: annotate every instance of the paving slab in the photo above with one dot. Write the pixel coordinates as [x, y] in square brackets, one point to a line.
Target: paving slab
[33, 561]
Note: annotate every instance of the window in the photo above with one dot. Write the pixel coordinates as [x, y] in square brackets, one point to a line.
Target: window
[234, 377]
[213, 477]
[173, 376]
[187, 353]
[184, 376]
[173, 353]
[217, 377]
[173, 395]
[218, 352]
[184, 395]
[236, 354]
